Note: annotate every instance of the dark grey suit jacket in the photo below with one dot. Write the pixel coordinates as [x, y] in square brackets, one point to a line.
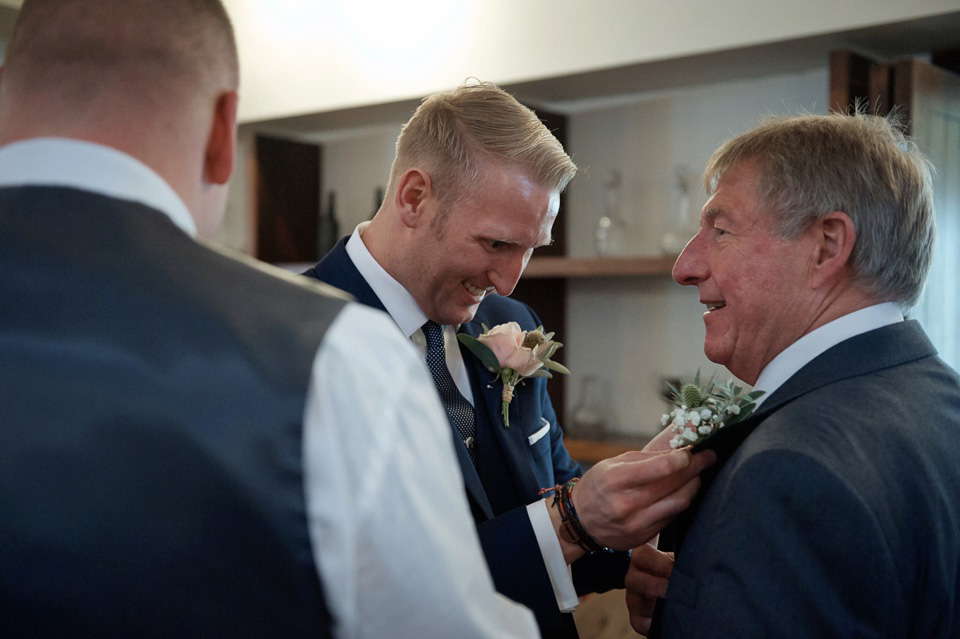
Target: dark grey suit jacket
[835, 509]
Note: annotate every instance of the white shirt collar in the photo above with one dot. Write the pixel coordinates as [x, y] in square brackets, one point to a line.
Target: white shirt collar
[395, 298]
[404, 309]
[91, 167]
[805, 349]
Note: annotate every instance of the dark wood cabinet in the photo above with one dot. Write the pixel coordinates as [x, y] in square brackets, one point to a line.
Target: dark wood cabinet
[287, 195]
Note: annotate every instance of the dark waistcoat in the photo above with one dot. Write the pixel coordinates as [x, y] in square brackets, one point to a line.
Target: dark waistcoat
[152, 394]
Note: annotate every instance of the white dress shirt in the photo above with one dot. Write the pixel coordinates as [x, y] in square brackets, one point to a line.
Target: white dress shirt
[393, 538]
[407, 314]
[804, 350]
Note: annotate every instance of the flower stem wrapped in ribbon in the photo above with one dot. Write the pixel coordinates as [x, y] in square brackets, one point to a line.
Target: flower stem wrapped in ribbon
[513, 354]
[703, 409]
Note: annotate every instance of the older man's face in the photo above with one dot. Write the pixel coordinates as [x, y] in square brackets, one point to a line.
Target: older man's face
[755, 286]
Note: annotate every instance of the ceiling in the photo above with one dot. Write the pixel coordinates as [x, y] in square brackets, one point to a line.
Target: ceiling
[574, 92]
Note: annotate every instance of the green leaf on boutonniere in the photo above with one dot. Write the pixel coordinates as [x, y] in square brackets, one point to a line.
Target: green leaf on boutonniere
[556, 366]
[703, 409]
[483, 353]
[746, 409]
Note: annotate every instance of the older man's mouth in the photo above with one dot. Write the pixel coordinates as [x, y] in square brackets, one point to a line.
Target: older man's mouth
[712, 306]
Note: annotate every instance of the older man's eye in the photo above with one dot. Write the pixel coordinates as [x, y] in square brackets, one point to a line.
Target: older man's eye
[496, 244]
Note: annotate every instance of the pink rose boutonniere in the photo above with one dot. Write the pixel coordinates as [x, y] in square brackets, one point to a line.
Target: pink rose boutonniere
[513, 354]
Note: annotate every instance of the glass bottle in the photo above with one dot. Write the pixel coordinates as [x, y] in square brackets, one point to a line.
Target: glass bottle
[610, 226]
[588, 418]
[328, 227]
[679, 226]
[377, 201]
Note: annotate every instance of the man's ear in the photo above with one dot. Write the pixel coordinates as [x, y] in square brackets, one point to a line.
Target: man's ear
[222, 143]
[413, 190]
[835, 237]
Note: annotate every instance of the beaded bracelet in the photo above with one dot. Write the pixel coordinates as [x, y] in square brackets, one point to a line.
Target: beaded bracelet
[571, 530]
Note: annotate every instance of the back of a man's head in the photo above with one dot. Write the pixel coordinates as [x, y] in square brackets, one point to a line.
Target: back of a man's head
[454, 134]
[863, 165]
[88, 61]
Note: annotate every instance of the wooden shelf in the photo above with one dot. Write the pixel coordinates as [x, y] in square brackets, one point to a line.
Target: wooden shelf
[567, 267]
[590, 451]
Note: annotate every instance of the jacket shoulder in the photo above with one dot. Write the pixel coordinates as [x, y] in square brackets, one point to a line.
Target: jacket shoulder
[497, 309]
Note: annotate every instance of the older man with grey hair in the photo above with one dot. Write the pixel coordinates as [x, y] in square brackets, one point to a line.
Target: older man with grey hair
[832, 511]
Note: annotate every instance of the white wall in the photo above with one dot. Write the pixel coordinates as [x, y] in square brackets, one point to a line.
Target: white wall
[353, 165]
[305, 56]
[354, 168]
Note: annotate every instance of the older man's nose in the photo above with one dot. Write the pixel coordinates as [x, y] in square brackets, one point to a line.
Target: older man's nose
[690, 268]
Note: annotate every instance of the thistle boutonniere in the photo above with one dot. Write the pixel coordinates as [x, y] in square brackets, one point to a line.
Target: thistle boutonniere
[703, 409]
[513, 354]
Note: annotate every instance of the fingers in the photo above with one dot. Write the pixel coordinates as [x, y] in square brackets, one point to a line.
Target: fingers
[645, 523]
[664, 509]
[642, 606]
[640, 610]
[651, 480]
[623, 502]
[703, 460]
[639, 622]
[646, 581]
[638, 468]
[660, 443]
[647, 560]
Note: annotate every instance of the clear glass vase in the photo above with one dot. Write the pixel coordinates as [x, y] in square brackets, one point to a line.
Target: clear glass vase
[588, 417]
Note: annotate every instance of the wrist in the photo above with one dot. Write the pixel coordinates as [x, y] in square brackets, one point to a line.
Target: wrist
[575, 541]
[571, 551]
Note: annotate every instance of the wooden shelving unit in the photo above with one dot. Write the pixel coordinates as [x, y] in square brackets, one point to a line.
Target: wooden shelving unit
[591, 451]
[582, 267]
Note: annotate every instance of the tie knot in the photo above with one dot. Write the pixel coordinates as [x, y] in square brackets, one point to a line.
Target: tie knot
[433, 333]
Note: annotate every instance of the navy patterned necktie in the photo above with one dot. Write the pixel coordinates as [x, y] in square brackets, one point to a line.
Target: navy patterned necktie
[458, 408]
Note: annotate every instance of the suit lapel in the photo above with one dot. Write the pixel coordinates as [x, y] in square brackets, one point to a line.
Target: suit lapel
[337, 269]
[512, 441]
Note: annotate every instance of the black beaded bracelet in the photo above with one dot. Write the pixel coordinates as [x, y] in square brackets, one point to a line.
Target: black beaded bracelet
[569, 515]
[571, 529]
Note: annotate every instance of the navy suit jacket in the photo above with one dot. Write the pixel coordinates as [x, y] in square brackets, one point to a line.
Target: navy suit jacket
[834, 510]
[510, 471]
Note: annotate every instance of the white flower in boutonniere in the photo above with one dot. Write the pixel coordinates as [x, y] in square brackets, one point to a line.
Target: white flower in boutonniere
[513, 354]
[702, 410]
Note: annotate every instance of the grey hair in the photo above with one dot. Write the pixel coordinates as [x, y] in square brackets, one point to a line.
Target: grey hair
[860, 164]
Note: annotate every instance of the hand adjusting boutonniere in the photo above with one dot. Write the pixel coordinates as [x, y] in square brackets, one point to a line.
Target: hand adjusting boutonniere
[702, 410]
[513, 354]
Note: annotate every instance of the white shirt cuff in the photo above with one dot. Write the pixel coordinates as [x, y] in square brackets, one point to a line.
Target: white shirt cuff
[561, 576]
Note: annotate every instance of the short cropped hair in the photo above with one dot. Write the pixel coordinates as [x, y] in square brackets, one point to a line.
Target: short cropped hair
[84, 48]
[860, 164]
[454, 134]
